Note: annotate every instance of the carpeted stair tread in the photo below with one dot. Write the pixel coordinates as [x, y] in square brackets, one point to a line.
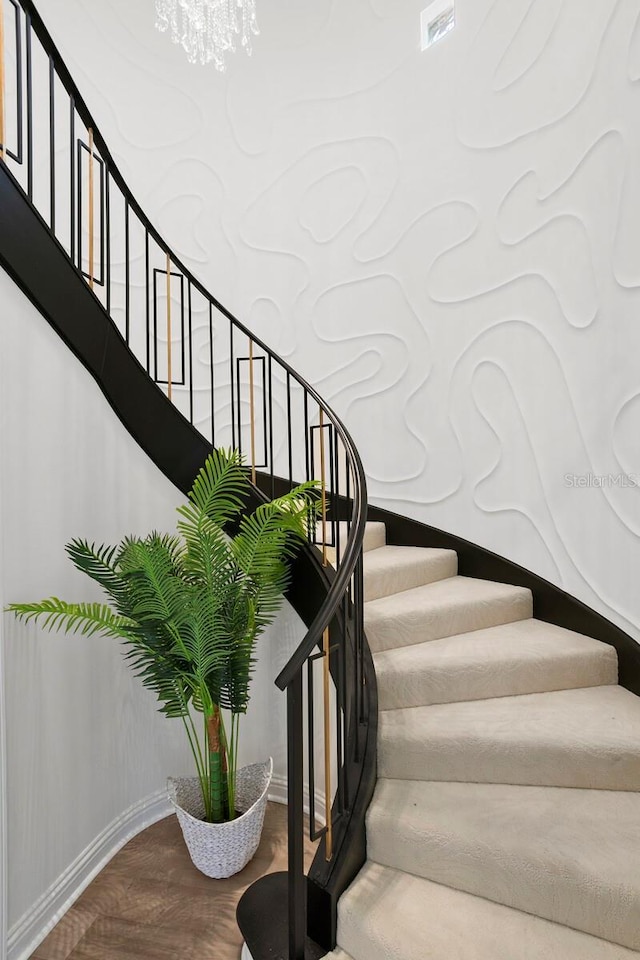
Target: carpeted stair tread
[526, 656]
[391, 569]
[570, 738]
[443, 609]
[390, 915]
[337, 954]
[568, 855]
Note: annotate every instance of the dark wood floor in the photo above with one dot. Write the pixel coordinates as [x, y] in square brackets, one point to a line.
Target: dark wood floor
[150, 902]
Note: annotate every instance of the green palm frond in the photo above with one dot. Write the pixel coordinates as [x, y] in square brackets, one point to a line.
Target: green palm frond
[220, 489]
[204, 638]
[262, 548]
[157, 590]
[84, 618]
[161, 677]
[99, 563]
[301, 506]
[207, 558]
[235, 686]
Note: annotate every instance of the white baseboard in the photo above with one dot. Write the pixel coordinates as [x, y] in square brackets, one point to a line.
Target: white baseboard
[278, 794]
[39, 920]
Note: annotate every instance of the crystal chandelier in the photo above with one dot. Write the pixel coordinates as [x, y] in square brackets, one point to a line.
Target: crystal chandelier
[208, 29]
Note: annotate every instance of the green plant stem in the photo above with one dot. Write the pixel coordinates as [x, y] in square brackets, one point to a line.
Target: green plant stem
[233, 763]
[229, 747]
[227, 774]
[217, 771]
[209, 786]
[197, 757]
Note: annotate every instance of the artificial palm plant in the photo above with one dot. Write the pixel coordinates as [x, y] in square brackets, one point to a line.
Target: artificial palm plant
[190, 607]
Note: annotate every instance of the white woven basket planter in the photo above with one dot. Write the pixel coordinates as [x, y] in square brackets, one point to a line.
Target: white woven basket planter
[222, 849]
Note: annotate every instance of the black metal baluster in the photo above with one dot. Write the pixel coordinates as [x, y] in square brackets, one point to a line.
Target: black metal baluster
[313, 834]
[311, 533]
[107, 236]
[233, 415]
[102, 203]
[297, 883]
[52, 144]
[348, 524]
[289, 437]
[79, 218]
[154, 327]
[339, 684]
[190, 350]
[344, 700]
[306, 437]
[356, 675]
[336, 500]
[146, 267]
[127, 273]
[273, 487]
[19, 152]
[348, 479]
[359, 597]
[27, 21]
[72, 185]
[264, 411]
[213, 406]
[239, 402]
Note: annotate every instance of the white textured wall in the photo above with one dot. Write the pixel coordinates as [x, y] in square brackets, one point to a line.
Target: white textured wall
[446, 243]
[84, 741]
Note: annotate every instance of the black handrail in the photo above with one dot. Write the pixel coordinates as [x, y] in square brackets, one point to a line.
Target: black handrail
[335, 618]
[341, 583]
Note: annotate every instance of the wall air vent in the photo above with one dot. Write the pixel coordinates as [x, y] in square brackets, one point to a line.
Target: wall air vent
[436, 21]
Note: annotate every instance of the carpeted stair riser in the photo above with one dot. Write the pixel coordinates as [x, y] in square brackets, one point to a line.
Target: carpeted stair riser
[390, 915]
[527, 656]
[443, 609]
[557, 853]
[390, 570]
[572, 738]
[374, 536]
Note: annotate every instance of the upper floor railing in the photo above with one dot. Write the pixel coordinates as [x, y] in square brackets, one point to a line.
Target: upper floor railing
[227, 383]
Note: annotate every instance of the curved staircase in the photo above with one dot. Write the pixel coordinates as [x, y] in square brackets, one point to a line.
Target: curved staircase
[506, 818]
[505, 822]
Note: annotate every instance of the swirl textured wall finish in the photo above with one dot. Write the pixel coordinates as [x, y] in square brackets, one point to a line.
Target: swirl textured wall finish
[445, 243]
